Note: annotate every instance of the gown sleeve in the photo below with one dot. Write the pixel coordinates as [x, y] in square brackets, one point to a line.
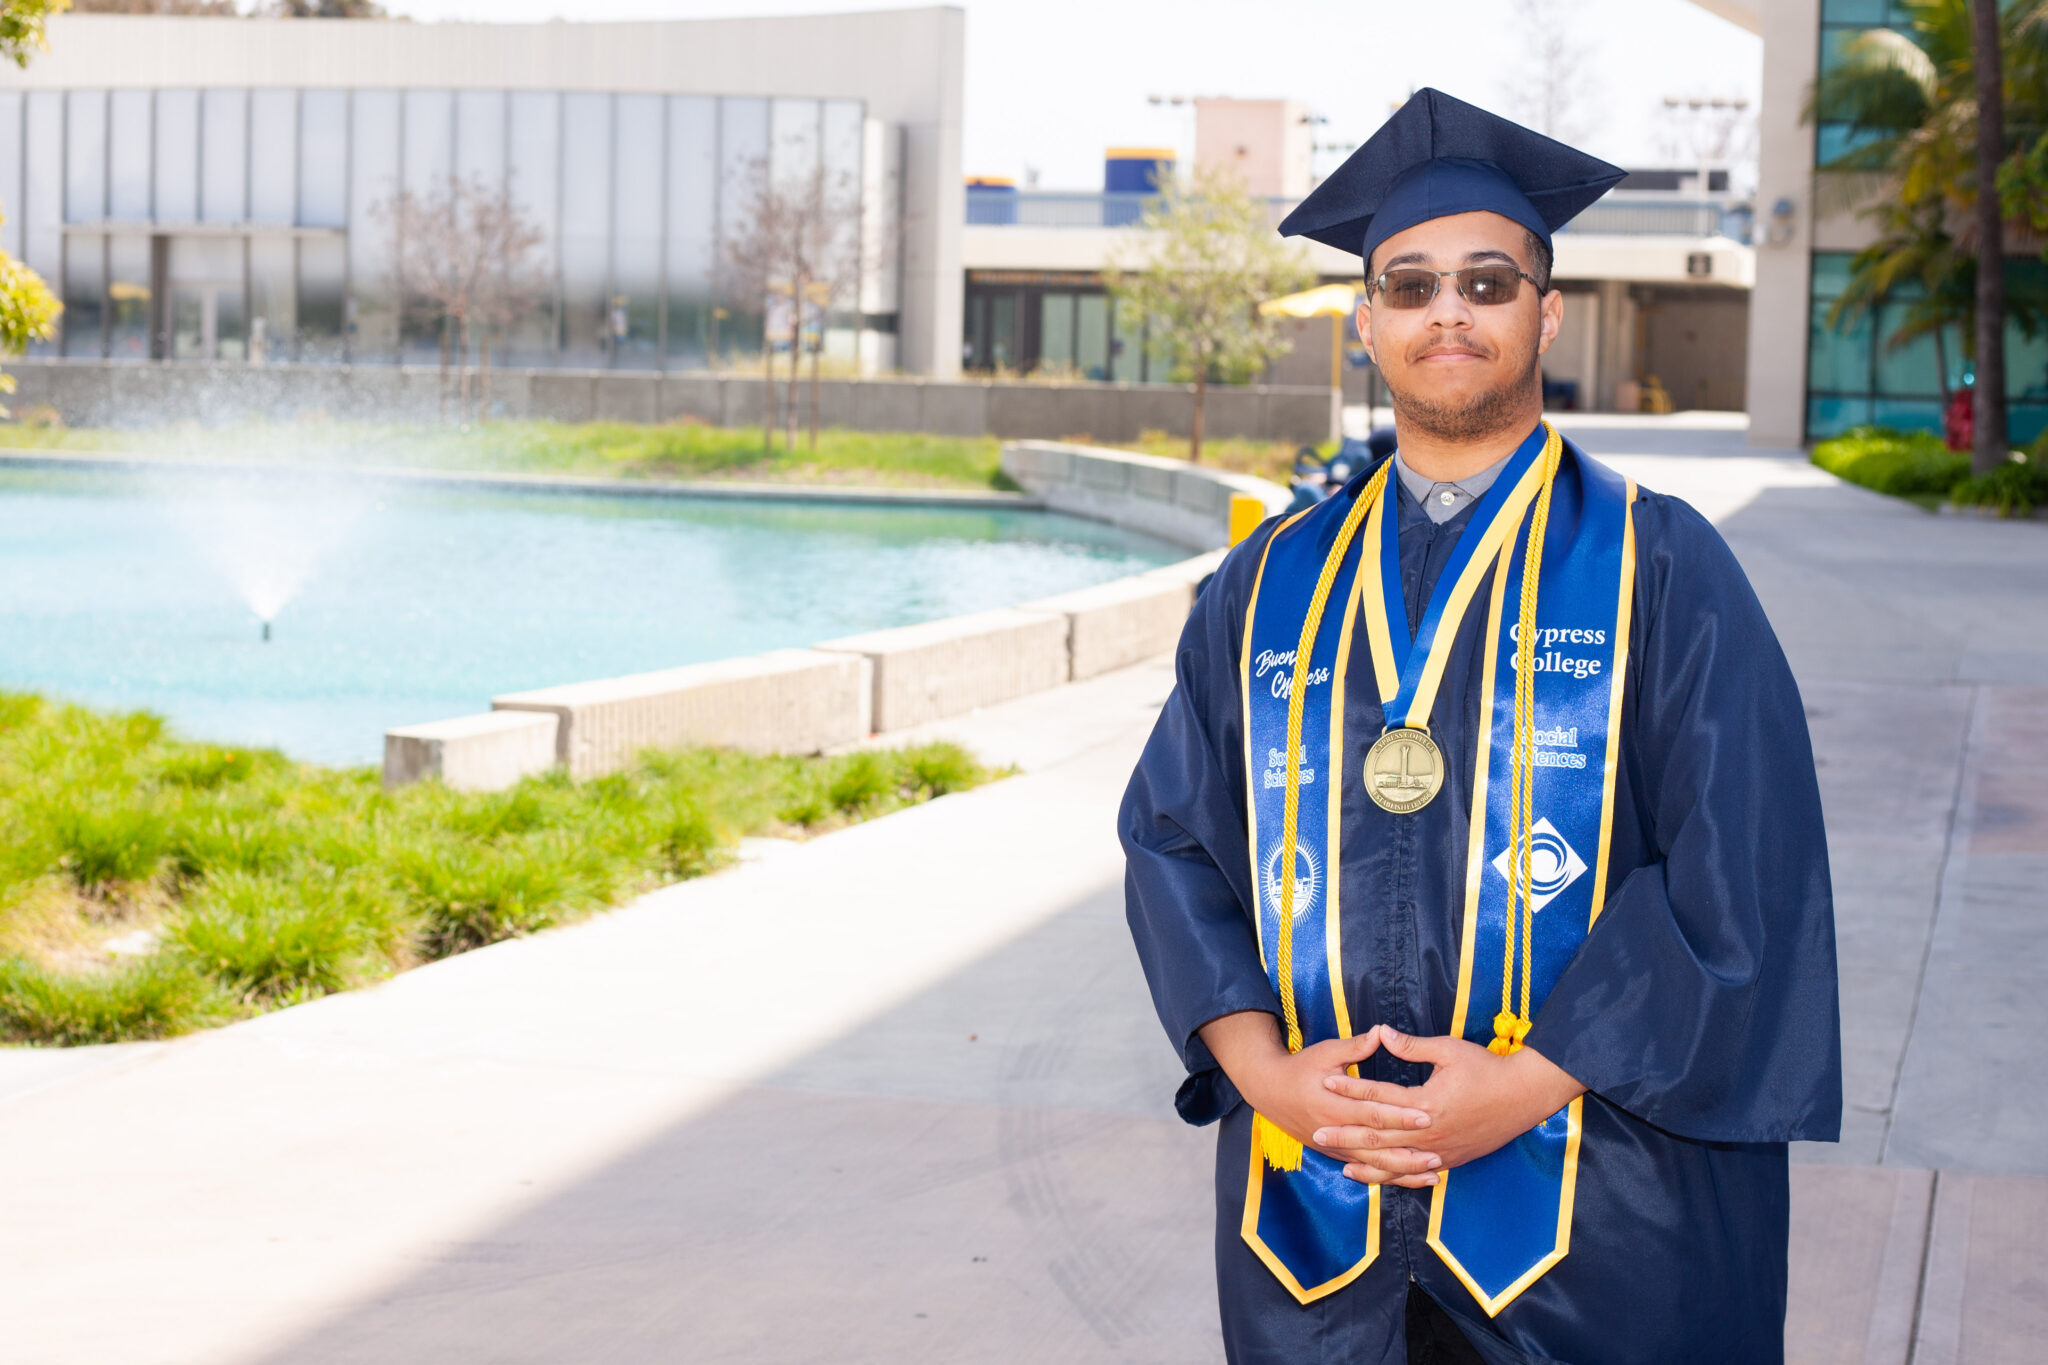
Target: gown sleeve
[1187, 884]
[1704, 1000]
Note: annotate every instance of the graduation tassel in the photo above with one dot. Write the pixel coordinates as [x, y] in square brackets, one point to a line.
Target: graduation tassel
[1511, 1025]
[1275, 1145]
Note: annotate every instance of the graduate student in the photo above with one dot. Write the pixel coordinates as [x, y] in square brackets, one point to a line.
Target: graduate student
[1476, 862]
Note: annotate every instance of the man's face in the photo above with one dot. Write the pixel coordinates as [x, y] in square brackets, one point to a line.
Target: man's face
[1457, 369]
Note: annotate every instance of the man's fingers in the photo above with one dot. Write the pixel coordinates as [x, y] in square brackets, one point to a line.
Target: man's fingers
[1358, 1047]
[1366, 1174]
[1396, 1160]
[1411, 1048]
[1392, 1097]
[1390, 1126]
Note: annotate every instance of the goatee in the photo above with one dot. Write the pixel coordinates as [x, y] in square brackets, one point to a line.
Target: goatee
[1489, 414]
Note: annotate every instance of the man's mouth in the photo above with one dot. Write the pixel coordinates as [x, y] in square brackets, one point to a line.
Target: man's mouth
[1450, 353]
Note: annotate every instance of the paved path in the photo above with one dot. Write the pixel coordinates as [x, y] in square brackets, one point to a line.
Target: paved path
[896, 1094]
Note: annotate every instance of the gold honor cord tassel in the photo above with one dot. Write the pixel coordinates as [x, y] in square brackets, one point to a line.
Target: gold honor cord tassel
[1282, 1149]
[1511, 1025]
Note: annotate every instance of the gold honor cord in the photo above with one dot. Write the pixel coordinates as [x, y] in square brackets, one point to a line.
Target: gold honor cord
[1511, 1025]
[1282, 1149]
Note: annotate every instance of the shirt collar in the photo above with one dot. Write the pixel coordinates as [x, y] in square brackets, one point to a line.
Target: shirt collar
[1472, 485]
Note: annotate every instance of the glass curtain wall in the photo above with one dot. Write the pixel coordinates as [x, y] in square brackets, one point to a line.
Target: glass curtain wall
[743, 168]
[259, 225]
[586, 229]
[533, 165]
[1854, 374]
[42, 194]
[321, 293]
[691, 332]
[85, 201]
[635, 311]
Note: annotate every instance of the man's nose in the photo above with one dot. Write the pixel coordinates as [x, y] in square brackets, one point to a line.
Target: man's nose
[1448, 308]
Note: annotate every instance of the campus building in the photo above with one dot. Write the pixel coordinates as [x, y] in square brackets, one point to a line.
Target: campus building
[1812, 376]
[220, 189]
[1656, 276]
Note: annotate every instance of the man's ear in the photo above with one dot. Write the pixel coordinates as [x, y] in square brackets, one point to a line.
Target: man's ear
[1549, 320]
[1363, 320]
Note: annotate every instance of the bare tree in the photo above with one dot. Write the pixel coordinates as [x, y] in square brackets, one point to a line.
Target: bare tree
[1550, 86]
[512, 282]
[462, 260]
[798, 248]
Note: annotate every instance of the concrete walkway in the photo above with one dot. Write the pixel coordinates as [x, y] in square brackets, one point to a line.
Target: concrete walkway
[897, 1094]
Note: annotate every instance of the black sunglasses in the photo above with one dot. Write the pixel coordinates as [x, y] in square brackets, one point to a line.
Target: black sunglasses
[1482, 286]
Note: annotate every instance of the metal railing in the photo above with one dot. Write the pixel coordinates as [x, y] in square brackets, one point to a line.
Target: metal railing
[1632, 216]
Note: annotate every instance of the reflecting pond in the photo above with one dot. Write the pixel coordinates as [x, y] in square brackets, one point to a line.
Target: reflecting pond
[395, 604]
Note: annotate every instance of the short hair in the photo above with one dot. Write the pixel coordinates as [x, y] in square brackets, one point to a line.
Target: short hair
[1542, 258]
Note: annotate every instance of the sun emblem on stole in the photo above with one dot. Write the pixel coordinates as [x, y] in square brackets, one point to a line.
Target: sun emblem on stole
[1308, 880]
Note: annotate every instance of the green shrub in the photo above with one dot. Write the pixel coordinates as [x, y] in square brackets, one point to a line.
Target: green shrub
[936, 769]
[2014, 489]
[269, 938]
[105, 840]
[208, 766]
[154, 998]
[292, 880]
[860, 782]
[1904, 464]
[209, 841]
[467, 895]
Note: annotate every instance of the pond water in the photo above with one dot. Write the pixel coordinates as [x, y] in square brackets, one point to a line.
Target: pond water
[395, 604]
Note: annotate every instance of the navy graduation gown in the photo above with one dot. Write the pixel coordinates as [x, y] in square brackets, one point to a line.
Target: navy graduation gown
[1700, 1013]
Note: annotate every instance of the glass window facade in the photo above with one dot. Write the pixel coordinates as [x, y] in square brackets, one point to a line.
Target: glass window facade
[273, 156]
[1060, 322]
[130, 127]
[636, 232]
[224, 156]
[232, 225]
[1856, 370]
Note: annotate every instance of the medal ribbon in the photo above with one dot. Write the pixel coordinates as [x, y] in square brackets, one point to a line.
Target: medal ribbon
[1409, 666]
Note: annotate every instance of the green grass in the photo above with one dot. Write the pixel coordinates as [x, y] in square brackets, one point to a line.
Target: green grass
[1905, 464]
[676, 450]
[150, 886]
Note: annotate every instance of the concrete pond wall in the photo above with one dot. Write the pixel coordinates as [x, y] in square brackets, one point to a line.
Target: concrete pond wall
[842, 691]
[139, 393]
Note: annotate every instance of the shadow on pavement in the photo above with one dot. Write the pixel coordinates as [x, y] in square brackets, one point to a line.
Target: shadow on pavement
[990, 1172]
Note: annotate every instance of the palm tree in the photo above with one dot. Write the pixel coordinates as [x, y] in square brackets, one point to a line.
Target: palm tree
[1916, 156]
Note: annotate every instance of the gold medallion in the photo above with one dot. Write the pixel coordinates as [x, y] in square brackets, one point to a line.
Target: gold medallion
[1404, 770]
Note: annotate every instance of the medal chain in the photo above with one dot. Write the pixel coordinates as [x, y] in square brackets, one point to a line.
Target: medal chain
[1511, 1025]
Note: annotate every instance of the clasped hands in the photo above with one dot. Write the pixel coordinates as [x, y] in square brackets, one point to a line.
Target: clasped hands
[1473, 1103]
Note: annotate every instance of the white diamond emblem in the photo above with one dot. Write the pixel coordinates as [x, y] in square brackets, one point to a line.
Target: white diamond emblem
[1553, 865]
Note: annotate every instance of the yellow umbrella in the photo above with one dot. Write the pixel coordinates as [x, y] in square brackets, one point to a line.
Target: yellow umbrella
[1336, 301]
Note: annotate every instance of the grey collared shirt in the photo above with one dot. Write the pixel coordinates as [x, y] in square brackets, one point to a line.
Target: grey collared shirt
[1442, 501]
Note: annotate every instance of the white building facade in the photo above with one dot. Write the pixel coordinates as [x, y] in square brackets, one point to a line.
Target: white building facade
[220, 190]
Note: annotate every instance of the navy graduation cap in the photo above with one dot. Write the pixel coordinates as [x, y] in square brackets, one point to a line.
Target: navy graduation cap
[1438, 156]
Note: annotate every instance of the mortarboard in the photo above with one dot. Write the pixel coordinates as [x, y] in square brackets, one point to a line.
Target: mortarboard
[1438, 156]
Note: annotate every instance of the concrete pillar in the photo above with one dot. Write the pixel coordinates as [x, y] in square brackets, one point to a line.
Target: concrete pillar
[934, 281]
[1779, 307]
[1617, 341]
